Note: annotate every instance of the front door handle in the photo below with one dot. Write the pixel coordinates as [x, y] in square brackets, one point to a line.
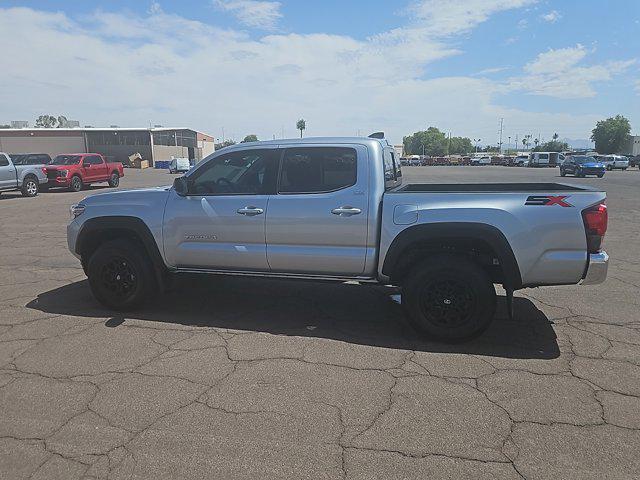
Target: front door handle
[250, 211]
[346, 211]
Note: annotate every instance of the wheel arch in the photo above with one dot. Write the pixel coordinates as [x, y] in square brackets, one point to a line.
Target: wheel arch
[96, 231]
[484, 242]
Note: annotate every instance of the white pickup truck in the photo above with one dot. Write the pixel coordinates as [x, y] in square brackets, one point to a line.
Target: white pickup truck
[28, 179]
[336, 209]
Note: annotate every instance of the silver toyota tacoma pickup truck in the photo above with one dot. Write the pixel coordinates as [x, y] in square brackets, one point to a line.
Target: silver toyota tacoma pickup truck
[28, 179]
[336, 209]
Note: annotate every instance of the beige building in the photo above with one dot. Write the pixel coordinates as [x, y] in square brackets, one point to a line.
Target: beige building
[153, 144]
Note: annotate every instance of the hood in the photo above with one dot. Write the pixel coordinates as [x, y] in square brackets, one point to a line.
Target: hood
[140, 196]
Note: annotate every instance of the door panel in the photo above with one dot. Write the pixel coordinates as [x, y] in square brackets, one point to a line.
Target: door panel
[324, 232]
[220, 224]
[208, 232]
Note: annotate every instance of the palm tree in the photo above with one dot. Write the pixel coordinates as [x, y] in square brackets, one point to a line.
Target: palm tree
[555, 137]
[524, 142]
[301, 125]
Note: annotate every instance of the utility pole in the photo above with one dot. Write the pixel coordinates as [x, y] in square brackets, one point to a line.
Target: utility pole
[501, 126]
[509, 144]
[222, 134]
[517, 144]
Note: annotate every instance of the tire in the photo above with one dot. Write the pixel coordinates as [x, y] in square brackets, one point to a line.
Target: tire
[114, 180]
[30, 186]
[76, 184]
[449, 298]
[601, 175]
[609, 167]
[563, 173]
[120, 275]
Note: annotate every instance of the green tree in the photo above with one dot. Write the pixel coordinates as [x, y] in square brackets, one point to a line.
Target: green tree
[250, 138]
[63, 122]
[460, 146]
[46, 121]
[226, 143]
[552, 146]
[432, 142]
[301, 125]
[611, 135]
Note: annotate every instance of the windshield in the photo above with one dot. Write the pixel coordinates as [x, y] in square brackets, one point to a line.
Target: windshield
[66, 160]
[583, 159]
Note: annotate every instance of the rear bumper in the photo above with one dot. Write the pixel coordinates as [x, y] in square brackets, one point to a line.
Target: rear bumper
[597, 269]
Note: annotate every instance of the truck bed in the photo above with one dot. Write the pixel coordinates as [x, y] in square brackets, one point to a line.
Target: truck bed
[487, 188]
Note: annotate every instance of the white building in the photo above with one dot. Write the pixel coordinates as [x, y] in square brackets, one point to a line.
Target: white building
[633, 147]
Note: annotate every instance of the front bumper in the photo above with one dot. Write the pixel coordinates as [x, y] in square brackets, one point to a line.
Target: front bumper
[59, 182]
[73, 229]
[597, 269]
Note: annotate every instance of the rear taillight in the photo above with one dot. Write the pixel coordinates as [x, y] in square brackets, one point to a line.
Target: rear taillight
[595, 225]
[44, 170]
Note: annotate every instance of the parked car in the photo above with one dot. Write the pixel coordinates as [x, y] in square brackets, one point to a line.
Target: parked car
[335, 209]
[521, 161]
[581, 166]
[614, 162]
[26, 178]
[477, 161]
[179, 165]
[78, 170]
[634, 161]
[30, 158]
[545, 159]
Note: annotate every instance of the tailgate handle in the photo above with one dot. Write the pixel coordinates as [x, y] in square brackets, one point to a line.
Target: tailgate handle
[346, 211]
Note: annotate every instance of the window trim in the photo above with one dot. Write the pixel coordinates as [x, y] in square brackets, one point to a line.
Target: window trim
[269, 186]
[281, 166]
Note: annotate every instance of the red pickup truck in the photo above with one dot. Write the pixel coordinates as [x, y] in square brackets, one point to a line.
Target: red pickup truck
[78, 170]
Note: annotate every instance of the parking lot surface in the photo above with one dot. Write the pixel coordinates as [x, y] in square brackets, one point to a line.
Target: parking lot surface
[245, 378]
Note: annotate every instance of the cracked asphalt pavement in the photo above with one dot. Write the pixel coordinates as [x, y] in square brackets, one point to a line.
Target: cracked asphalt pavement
[239, 378]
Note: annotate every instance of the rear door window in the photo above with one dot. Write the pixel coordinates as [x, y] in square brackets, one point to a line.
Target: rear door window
[4, 161]
[317, 169]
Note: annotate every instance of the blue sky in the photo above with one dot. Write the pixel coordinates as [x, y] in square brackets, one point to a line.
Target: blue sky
[254, 66]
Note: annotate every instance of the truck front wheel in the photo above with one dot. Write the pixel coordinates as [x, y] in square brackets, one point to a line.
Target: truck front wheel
[449, 298]
[76, 183]
[120, 275]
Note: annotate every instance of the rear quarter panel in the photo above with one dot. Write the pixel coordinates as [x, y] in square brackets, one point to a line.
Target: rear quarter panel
[548, 242]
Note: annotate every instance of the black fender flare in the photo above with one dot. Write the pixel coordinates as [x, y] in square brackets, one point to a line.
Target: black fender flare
[463, 230]
[103, 225]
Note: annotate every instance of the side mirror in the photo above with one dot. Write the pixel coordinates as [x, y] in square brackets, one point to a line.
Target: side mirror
[181, 186]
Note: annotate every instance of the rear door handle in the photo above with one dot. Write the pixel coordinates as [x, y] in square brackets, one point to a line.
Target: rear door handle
[250, 211]
[346, 211]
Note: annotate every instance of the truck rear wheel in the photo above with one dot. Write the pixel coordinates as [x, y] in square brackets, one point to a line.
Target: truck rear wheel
[120, 275]
[30, 186]
[449, 298]
[114, 180]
